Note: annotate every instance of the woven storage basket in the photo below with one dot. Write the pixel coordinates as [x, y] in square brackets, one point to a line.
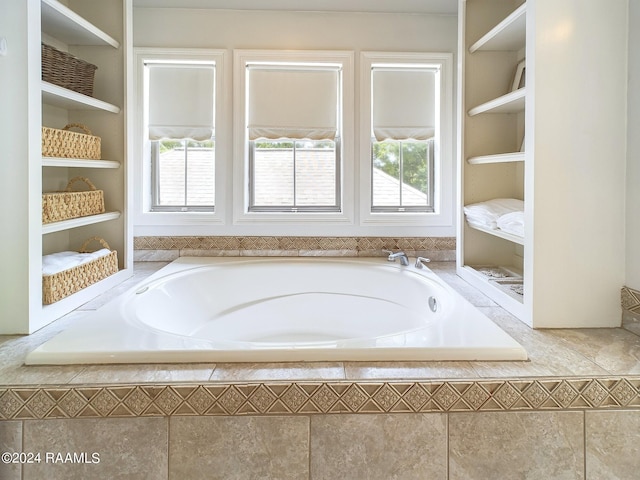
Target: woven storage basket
[66, 71]
[60, 285]
[67, 144]
[58, 206]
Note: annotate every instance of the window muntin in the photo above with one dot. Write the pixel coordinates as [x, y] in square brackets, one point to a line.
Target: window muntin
[183, 175]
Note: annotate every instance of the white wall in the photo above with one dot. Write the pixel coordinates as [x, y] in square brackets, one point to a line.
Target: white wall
[633, 151]
[577, 179]
[20, 165]
[229, 29]
[293, 30]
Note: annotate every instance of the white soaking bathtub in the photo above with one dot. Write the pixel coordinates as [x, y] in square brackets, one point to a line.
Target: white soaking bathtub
[282, 309]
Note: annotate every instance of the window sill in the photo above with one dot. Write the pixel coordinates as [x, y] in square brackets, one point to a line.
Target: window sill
[382, 219]
[297, 218]
[160, 223]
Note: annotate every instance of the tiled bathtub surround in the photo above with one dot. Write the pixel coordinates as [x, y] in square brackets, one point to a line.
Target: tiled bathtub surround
[631, 300]
[591, 445]
[474, 444]
[170, 248]
[631, 310]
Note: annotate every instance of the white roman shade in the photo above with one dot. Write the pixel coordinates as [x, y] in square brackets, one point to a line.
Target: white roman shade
[404, 103]
[181, 101]
[291, 102]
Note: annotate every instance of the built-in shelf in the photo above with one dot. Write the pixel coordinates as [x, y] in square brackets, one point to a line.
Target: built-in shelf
[512, 102]
[78, 163]
[79, 222]
[509, 34]
[497, 40]
[497, 158]
[98, 32]
[67, 26]
[511, 300]
[70, 100]
[500, 233]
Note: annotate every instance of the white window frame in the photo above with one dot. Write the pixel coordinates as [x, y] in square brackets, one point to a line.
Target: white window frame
[444, 165]
[241, 213]
[148, 222]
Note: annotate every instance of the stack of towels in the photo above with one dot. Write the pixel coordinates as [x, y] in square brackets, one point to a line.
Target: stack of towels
[506, 214]
[58, 262]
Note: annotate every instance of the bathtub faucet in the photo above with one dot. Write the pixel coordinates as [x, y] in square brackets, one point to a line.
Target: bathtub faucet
[401, 255]
[420, 261]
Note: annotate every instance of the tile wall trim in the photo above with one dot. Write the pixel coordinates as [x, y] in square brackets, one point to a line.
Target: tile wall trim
[630, 300]
[149, 248]
[309, 397]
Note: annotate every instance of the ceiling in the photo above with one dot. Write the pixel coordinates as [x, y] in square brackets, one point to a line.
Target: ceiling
[448, 7]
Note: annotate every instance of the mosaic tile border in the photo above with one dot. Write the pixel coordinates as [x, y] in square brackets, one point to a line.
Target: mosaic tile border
[630, 300]
[296, 246]
[305, 398]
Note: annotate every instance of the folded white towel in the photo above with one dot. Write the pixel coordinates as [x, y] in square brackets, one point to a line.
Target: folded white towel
[512, 223]
[58, 262]
[486, 214]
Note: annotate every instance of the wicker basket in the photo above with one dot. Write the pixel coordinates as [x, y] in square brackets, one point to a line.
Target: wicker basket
[67, 144]
[58, 206]
[62, 284]
[66, 71]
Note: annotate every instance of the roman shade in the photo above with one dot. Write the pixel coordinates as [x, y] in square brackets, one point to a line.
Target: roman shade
[292, 102]
[181, 101]
[404, 103]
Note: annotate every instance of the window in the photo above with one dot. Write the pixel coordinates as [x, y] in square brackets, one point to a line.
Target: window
[293, 125]
[181, 105]
[407, 166]
[270, 146]
[293, 130]
[179, 139]
[403, 128]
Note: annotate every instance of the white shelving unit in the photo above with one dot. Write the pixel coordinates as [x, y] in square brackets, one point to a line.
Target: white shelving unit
[508, 35]
[493, 129]
[498, 158]
[59, 21]
[79, 222]
[570, 262]
[79, 29]
[70, 100]
[78, 163]
[500, 234]
[97, 31]
[512, 102]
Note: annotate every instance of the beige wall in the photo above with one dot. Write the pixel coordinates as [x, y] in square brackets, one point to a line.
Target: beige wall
[286, 30]
[293, 30]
